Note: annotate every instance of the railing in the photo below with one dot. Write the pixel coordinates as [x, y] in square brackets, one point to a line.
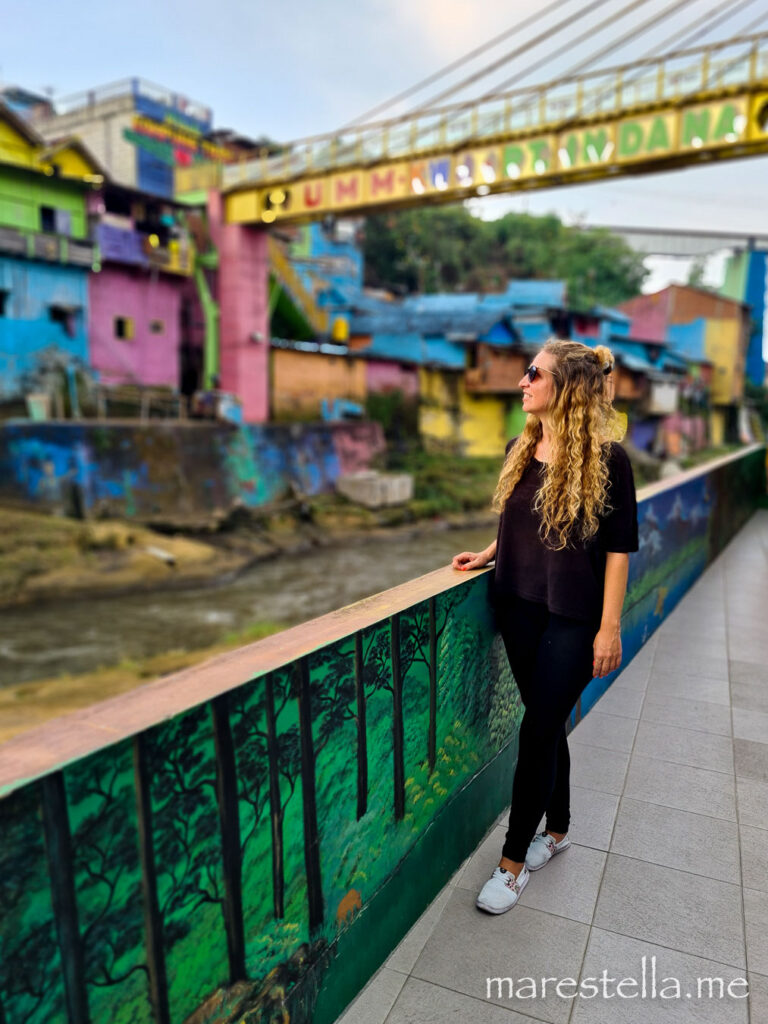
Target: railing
[43, 246]
[122, 245]
[288, 276]
[714, 68]
[231, 823]
[135, 88]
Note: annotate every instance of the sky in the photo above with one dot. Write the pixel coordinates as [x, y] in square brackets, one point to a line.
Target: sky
[292, 68]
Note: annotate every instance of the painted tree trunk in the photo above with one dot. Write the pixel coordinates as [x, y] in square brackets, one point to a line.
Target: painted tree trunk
[229, 821]
[362, 738]
[311, 834]
[432, 738]
[397, 719]
[275, 803]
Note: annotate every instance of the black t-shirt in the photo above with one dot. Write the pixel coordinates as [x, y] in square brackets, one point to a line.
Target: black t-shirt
[569, 582]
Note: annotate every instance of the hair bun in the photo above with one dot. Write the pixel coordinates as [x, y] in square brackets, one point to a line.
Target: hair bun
[604, 357]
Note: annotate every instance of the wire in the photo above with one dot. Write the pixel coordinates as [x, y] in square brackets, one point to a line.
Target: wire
[616, 44]
[524, 48]
[519, 27]
[702, 30]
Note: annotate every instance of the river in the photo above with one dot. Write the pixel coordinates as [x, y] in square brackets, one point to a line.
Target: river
[77, 636]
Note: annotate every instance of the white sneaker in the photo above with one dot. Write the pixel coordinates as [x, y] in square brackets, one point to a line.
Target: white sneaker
[542, 849]
[502, 891]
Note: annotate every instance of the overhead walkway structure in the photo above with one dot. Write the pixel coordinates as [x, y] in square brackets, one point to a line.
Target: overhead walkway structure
[683, 108]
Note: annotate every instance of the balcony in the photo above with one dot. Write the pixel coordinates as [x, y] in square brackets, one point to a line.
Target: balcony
[38, 245]
[497, 372]
[124, 245]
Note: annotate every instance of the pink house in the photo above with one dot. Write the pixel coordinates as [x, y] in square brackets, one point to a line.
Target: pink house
[135, 326]
[135, 296]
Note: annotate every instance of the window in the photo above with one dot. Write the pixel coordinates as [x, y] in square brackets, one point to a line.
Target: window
[3, 302]
[156, 327]
[124, 327]
[55, 222]
[64, 315]
[47, 219]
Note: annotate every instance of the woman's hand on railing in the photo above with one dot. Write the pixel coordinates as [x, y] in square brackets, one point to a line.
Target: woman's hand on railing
[473, 559]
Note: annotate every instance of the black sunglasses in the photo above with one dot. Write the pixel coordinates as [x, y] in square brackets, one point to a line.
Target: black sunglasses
[533, 372]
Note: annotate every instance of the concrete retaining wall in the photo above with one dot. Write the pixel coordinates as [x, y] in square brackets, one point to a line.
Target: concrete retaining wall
[175, 470]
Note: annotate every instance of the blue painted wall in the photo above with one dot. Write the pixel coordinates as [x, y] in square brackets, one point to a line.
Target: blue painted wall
[757, 283]
[26, 328]
[176, 469]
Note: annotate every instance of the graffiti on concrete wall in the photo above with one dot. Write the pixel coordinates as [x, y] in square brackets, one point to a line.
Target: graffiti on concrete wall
[176, 469]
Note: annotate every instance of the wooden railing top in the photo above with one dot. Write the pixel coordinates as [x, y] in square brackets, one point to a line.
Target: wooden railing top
[66, 739]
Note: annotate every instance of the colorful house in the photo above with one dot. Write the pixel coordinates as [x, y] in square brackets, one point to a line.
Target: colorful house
[746, 280]
[706, 328]
[45, 256]
[138, 130]
[146, 262]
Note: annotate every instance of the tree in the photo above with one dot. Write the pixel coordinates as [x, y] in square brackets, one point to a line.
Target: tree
[269, 767]
[447, 249]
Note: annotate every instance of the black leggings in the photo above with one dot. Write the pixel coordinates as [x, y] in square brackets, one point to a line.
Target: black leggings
[551, 659]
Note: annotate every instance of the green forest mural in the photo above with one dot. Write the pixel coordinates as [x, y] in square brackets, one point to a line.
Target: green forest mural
[253, 859]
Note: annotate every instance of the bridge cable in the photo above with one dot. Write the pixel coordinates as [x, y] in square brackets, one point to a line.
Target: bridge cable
[668, 11]
[437, 75]
[580, 65]
[627, 9]
[702, 30]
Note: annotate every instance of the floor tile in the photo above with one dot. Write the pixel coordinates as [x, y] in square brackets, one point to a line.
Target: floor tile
[705, 647]
[752, 795]
[621, 701]
[758, 997]
[684, 746]
[613, 732]
[754, 858]
[700, 715]
[376, 1000]
[421, 1002]
[677, 839]
[748, 672]
[750, 725]
[751, 759]
[682, 786]
[664, 970]
[688, 687]
[480, 865]
[596, 768]
[755, 911]
[567, 886]
[672, 908]
[751, 696]
[405, 955]
[592, 816]
[469, 946]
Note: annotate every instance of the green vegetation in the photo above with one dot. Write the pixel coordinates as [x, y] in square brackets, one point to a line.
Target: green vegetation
[447, 249]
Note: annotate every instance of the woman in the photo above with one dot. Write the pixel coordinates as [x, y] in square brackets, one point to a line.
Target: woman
[568, 518]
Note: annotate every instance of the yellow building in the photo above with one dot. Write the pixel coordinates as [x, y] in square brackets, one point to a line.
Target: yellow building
[451, 418]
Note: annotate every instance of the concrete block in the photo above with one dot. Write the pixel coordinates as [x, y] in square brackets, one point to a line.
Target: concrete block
[375, 490]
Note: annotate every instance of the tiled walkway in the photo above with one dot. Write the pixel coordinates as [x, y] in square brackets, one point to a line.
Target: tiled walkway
[670, 826]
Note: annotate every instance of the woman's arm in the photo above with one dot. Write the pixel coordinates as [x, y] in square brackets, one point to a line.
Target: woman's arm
[607, 646]
[474, 559]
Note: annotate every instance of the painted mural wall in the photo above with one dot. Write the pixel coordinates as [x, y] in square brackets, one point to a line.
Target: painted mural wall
[261, 853]
[152, 305]
[45, 311]
[176, 470]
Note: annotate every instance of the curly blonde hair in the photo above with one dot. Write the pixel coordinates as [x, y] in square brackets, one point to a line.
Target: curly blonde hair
[575, 488]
